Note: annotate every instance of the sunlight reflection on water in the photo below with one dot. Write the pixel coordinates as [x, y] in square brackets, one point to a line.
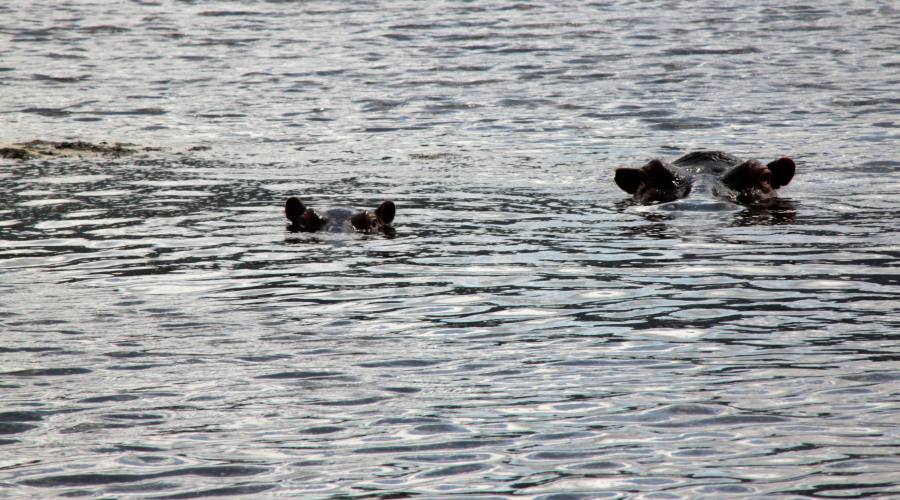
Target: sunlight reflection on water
[528, 331]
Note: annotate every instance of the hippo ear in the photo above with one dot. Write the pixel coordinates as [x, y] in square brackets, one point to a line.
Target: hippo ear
[294, 208]
[782, 172]
[629, 179]
[385, 212]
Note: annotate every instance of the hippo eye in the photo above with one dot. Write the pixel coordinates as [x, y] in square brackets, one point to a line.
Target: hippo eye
[766, 177]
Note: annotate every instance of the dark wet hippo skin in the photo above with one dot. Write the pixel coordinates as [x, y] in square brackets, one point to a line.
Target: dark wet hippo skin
[747, 182]
[307, 220]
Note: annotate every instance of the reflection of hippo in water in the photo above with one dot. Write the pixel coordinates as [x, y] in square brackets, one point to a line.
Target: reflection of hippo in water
[307, 220]
[746, 182]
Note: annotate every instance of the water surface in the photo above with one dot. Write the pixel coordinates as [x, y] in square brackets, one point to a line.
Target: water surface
[527, 332]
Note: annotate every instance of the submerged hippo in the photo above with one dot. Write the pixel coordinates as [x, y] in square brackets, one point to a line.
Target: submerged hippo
[307, 220]
[747, 182]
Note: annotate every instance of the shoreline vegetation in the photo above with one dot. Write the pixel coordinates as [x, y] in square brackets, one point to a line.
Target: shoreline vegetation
[40, 149]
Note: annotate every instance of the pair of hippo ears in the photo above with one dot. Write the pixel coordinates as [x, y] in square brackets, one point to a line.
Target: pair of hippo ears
[782, 171]
[294, 209]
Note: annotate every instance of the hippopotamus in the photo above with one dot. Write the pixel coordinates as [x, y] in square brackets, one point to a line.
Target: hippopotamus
[746, 182]
[307, 220]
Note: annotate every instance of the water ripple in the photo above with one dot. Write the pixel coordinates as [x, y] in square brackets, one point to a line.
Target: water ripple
[527, 332]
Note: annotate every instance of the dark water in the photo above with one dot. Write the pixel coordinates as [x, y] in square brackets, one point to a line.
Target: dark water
[526, 333]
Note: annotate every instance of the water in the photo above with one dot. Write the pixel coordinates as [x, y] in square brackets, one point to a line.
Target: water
[527, 332]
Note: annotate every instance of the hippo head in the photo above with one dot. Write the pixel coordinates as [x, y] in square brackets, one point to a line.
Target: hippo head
[379, 220]
[753, 182]
[302, 219]
[655, 182]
